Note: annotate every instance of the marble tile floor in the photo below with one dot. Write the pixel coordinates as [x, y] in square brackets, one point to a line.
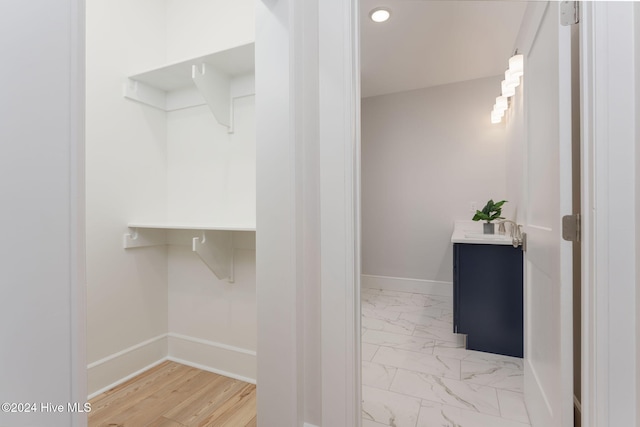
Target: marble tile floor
[417, 373]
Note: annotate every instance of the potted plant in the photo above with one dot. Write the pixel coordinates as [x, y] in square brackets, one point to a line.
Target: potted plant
[490, 212]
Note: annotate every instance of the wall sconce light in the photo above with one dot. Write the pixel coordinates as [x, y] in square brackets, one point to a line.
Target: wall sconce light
[509, 84]
[516, 65]
[508, 90]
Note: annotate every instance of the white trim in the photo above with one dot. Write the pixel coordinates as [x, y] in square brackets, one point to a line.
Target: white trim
[609, 382]
[125, 351]
[278, 256]
[339, 102]
[309, 425]
[78, 289]
[125, 379]
[172, 359]
[111, 369]
[402, 284]
[212, 344]
[223, 359]
[230, 361]
[214, 370]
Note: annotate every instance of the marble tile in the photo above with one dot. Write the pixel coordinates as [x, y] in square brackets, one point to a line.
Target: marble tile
[388, 408]
[403, 301]
[378, 313]
[387, 292]
[416, 371]
[438, 334]
[424, 318]
[398, 341]
[445, 303]
[390, 293]
[447, 316]
[426, 309]
[438, 415]
[372, 304]
[450, 349]
[396, 326]
[368, 350]
[376, 375]
[491, 375]
[369, 423]
[512, 406]
[495, 359]
[419, 362]
[456, 393]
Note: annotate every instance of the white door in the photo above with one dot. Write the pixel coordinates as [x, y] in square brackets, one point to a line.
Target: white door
[548, 277]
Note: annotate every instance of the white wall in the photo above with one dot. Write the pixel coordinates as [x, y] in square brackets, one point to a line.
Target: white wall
[200, 27]
[144, 164]
[126, 171]
[514, 125]
[41, 189]
[426, 154]
[212, 179]
[636, 12]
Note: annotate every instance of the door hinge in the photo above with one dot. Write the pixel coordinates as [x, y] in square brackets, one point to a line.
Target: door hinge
[569, 13]
[571, 228]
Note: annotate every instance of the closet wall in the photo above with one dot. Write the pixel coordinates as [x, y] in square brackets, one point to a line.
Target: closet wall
[144, 164]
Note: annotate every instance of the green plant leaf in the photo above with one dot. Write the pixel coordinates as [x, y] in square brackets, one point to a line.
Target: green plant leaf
[490, 212]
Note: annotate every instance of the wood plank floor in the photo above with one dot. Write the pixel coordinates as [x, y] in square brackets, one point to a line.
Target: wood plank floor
[175, 395]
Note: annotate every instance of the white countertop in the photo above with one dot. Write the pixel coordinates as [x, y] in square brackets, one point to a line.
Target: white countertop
[471, 232]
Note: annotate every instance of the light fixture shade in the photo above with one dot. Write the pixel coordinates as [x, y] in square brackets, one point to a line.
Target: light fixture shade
[499, 111]
[379, 14]
[502, 102]
[495, 118]
[508, 90]
[516, 65]
[512, 81]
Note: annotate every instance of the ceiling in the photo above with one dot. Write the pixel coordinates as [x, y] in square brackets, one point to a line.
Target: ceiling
[428, 43]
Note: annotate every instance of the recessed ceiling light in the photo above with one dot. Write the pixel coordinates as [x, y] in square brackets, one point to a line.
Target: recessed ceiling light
[379, 14]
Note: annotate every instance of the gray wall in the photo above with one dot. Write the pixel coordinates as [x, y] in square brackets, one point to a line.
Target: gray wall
[426, 155]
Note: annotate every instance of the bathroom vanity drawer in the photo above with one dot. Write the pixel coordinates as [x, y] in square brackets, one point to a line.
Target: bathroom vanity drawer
[487, 291]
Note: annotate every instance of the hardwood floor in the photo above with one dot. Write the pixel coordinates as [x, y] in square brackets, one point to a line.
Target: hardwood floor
[175, 395]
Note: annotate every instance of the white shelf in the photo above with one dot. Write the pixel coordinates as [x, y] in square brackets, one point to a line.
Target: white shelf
[213, 243]
[190, 226]
[215, 80]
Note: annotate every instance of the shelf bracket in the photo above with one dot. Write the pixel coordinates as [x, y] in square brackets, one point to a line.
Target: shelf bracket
[141, 92]
[138, 238]
[215, 249]
[215, 88]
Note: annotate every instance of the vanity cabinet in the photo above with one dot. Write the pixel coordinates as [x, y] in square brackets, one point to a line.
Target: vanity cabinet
[487, 295]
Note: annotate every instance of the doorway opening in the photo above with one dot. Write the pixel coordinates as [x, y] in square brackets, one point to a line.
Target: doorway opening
[430, 157]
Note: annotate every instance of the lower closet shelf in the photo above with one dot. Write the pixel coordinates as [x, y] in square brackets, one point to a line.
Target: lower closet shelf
[213, 243]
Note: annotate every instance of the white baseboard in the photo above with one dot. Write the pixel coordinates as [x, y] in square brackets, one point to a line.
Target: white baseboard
[119, 367]
[223, 359]
[309, 425]
[419, 286]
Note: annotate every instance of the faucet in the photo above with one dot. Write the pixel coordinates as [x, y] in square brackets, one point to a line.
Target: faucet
[502, 229]
[515, 232]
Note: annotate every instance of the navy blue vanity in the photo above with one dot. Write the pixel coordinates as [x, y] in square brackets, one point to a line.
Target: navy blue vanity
[488, 294]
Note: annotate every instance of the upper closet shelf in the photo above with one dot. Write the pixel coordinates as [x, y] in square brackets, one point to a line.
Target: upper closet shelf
[216, 80]
[190, 226]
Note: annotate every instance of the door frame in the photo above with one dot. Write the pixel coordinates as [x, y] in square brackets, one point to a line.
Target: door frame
[610, 342]
[605, 205]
